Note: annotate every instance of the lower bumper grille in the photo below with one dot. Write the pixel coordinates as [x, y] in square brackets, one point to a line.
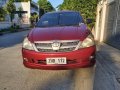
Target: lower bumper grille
[60, 50]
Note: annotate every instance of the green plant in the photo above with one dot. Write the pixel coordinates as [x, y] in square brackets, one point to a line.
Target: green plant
[10, 8]
[87, 8]
[20, 14]
[45, 5]
[17, 27]
[2, 14]
[3, 30]
[22, 0]
[12, 29]
[33, 19]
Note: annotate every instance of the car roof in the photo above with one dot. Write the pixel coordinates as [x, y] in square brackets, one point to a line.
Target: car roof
[64, 11]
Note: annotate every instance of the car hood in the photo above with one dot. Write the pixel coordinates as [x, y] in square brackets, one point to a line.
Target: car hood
[59, 33]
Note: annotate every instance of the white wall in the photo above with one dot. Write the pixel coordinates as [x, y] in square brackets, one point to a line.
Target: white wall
[4, 25]
[100, 26]
[26, 7]
[99, 20]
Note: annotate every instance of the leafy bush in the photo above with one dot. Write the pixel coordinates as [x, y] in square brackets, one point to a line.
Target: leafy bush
[2, 14]
[17, 27]
[22, 0]
[10, 8]
[11, 29]
[87, 8]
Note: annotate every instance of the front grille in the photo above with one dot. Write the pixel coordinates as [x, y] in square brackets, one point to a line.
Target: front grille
[65, 46]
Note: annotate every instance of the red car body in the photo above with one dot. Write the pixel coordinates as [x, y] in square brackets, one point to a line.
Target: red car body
[75, 58]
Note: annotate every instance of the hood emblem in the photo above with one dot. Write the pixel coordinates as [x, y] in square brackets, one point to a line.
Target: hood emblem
[56, 45]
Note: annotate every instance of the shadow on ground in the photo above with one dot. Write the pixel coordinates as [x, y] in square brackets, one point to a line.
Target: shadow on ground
[59, 81]
[78, 79]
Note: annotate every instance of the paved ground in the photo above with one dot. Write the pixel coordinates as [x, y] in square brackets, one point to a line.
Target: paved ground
[14, 76]
[114, 41]
[9, 40]
[107, 73]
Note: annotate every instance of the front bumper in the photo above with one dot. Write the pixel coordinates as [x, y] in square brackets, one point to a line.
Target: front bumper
[75, 59]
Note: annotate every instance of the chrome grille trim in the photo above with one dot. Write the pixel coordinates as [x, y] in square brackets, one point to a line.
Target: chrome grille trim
[55, 40]
[66, 46]
[51, 47]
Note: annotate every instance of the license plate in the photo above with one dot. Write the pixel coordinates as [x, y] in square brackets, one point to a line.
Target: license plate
[61, 60]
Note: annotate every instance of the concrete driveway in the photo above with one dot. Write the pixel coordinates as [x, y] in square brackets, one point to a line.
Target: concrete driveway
[14, 76]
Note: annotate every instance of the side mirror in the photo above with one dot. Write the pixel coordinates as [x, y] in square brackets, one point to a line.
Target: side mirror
[88, 21]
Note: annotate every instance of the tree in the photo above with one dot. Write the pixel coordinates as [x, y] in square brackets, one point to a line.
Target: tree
[20, 14]
[86, 7]
[2, 14]
[34, 18]
[45, 5]
[22, 0]
[10, 8]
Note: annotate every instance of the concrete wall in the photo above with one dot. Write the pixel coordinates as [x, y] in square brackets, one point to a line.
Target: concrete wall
[26, 6]
[4, 25]
[110, 21]
[100, 20]
[117, 23]
[26, 16]
[106, 19]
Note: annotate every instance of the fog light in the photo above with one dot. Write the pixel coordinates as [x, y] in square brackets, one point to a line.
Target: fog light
[91, 57]
[25, 59]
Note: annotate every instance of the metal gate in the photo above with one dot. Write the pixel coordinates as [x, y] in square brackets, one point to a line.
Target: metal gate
[111, 36]
[110, 21]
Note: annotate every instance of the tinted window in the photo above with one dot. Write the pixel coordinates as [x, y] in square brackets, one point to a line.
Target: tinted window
[60, 19]
[69, 18]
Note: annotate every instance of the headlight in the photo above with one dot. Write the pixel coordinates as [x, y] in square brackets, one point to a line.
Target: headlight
[27, 44]
[88, 42]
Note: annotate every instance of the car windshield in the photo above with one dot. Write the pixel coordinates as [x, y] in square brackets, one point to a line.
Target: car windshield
[60, 19]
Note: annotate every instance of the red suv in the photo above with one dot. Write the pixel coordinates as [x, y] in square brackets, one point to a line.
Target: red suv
[60, 40]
